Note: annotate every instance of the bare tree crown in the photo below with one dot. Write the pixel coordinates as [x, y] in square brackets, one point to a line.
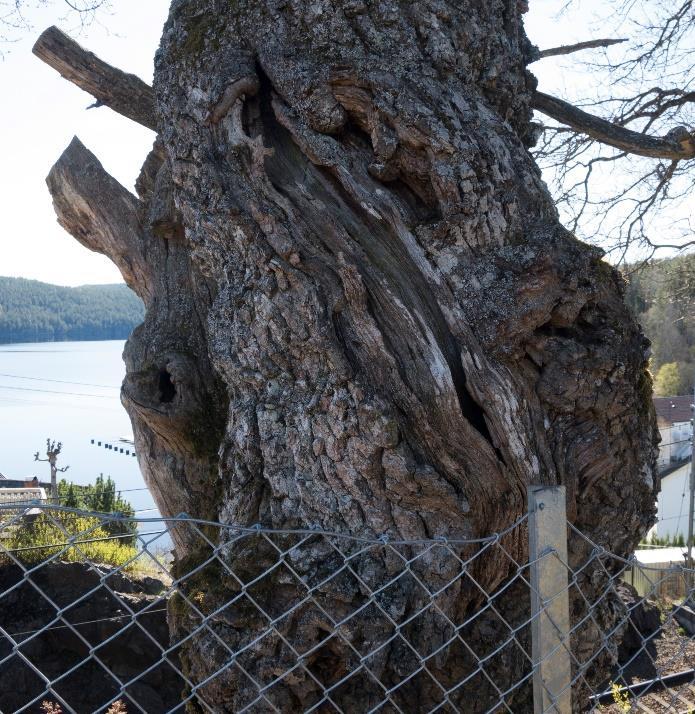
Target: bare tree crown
[16, 15]
[624, 159]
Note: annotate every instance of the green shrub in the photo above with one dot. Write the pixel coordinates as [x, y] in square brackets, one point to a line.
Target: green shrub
[103, 497]
[44, 536]
[620, 697]
[668, 541]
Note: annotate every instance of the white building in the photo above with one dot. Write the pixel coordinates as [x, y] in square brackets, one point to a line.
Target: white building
[23, 496]
[673, 417]
[672, 504]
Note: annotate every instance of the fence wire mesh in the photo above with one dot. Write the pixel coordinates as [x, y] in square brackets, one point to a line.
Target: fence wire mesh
[97, 614]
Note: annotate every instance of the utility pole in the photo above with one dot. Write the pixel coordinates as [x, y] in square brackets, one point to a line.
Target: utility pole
[691, 504]
[52, 452]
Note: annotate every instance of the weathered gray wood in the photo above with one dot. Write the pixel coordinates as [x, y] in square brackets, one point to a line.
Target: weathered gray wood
[142, 237]
[103, 215]
[124, 93]
[676, 145]
[685, 617]
[578, 47]
[550, 629]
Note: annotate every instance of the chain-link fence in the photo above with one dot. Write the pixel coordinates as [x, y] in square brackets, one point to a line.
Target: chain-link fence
[97, 614]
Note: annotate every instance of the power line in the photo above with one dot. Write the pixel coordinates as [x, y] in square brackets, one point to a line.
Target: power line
[61, 500]
[58, 381]
[668, 518]
[118, 490]
[53, 391]
[38, 403]
[671, 443]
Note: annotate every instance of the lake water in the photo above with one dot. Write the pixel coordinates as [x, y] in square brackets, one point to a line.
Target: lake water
[68, 391]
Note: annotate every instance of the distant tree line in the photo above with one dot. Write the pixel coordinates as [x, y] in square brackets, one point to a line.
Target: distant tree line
[31, 311]
[662, 295]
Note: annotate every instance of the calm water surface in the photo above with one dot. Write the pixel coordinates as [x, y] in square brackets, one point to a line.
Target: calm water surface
[68, 391]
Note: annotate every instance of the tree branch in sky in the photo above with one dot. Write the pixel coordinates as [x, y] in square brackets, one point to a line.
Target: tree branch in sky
[620, 164]
[578, 47]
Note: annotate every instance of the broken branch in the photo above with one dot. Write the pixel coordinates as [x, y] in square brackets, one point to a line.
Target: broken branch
[578, 47]
[124, 93]
[100, 213]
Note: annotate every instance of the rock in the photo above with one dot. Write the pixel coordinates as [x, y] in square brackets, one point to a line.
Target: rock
[685, 617]
[75, 587]
[643, 624]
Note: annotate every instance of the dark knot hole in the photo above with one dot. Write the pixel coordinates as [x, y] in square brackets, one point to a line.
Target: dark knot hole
[167, 390]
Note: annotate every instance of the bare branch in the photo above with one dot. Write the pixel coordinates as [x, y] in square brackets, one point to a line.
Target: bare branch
[632, 205]
[124, 93]
[676, 145]
[578, 47]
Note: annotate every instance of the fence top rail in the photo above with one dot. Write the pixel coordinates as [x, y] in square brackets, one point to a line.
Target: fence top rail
[259, 528]
[168, 522]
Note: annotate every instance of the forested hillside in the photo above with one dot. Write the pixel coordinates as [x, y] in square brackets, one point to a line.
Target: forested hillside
[662, 295]
[31, 311]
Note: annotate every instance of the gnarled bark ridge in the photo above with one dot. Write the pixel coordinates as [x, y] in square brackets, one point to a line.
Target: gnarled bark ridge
[363, 312]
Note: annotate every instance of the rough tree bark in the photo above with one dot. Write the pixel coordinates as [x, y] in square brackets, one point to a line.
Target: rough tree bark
[362, 312]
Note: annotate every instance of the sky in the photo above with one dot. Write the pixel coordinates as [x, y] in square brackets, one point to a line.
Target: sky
[41, 113]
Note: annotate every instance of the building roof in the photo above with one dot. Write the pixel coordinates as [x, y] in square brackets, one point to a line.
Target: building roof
[674, 409]
[27, 482]
[677, 469]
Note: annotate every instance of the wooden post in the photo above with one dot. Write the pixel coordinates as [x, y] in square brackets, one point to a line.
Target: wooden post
[549, 600]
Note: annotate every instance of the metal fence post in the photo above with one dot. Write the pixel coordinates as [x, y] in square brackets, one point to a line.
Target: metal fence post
[550, 627]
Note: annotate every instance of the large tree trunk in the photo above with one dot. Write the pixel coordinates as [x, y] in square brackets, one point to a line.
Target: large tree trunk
[362, 312]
